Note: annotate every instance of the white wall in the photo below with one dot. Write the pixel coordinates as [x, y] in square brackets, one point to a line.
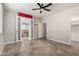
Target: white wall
[75, 32]
[58, 25]
[1, 29]
[10, 26]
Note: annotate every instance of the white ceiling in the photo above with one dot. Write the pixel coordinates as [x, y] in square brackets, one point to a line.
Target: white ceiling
[27, 8]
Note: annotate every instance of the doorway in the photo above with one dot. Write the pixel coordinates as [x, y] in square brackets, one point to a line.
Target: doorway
[23, 28]
[75, 31]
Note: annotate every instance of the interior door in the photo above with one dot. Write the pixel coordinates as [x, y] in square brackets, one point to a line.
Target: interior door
[40, 30]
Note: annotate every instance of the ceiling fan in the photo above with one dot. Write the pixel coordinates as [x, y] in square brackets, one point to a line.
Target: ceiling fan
[42, 6]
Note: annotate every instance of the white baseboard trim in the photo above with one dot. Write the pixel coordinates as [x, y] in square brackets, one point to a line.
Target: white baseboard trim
[8, 43]
[60, 41]
[11, 42]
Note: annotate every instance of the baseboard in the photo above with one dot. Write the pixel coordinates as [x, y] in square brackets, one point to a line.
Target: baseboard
[59, 41]
[10, 42]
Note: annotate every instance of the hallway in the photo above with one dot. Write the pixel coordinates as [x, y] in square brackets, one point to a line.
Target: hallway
[40, 47]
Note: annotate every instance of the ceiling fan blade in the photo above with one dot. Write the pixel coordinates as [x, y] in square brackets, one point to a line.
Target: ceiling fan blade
[47, 9]
[39, 4]
[36, 9]
[48, 5]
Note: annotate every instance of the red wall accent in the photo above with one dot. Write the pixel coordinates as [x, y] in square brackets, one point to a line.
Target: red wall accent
[24, 15]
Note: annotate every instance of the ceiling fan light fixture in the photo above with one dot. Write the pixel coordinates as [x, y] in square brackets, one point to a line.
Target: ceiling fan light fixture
[41, 11]
[42, 7]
